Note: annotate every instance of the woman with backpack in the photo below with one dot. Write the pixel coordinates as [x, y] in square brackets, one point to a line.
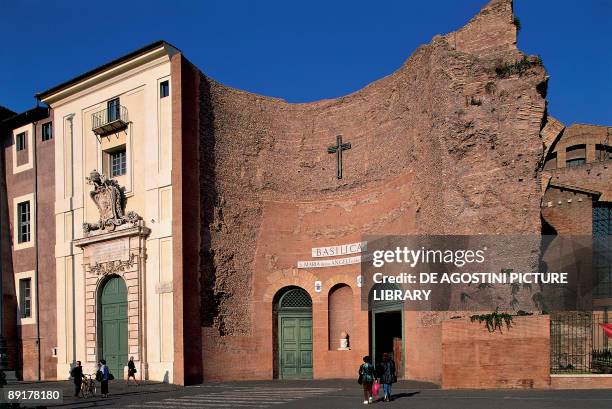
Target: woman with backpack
[387, 375]
[367, 375]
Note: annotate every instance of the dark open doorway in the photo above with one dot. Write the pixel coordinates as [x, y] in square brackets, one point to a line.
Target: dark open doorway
[387, 336]
[387, 329]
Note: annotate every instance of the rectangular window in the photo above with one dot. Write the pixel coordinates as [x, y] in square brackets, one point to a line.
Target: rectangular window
[47, 131]
[164, 89]
[118, 163]
[23, 222]
[20, 141]
[25, 298]
[575, 155]
[112, 107]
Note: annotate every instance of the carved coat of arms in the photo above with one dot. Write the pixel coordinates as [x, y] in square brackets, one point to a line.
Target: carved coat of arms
[110, 199]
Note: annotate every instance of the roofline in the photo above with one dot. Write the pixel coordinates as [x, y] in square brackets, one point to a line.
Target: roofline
[105, 67]
[26, 117]
[7, 112]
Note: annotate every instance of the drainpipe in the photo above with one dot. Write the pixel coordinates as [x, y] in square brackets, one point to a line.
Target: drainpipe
[36, 245]
[73, 364]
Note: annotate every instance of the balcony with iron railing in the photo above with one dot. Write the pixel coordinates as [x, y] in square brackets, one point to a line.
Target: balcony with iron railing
[109, 120]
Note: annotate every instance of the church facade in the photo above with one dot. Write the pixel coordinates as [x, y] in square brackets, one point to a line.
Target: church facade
[115, 229]
[214, 234]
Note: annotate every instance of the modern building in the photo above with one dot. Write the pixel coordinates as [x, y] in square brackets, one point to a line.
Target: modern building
[214, 234]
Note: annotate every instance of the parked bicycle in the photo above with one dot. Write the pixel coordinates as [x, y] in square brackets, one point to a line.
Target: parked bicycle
[88, 387]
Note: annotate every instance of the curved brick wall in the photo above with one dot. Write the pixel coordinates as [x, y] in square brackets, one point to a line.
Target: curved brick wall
[446, 144]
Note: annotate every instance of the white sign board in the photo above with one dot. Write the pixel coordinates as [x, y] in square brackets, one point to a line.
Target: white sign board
[340, 250]
[329, 263]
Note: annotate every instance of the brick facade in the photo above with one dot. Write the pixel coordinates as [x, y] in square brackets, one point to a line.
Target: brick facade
[31, 345]
[567, 207]
[444, 145]
[568, 211]
[571, 191]
[473, 357]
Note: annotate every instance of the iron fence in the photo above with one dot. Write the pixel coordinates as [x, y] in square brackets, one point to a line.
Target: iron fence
[579, 344]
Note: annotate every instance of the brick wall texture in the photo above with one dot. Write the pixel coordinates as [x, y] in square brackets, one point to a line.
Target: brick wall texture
[473, 357]
[443, 145]
[450, 143]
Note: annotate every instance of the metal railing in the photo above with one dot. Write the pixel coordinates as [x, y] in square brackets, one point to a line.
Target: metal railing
[579, 344]
[111, 115]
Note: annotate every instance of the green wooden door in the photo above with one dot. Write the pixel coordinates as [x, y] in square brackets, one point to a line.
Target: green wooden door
[295, 334]
[113, 305]
[295, 346]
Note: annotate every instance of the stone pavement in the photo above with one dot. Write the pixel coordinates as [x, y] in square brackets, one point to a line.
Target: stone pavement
[347, 394]
[323, 394]
[117, 388]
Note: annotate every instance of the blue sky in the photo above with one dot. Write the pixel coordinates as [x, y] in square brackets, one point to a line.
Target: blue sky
[297, 50]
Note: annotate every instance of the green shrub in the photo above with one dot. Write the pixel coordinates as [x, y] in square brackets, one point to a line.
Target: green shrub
[506, 69]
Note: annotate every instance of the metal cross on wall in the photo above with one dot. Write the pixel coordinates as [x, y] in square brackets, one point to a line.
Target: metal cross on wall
[337, 149]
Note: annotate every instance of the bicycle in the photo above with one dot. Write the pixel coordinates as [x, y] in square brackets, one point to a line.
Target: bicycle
[88, 387]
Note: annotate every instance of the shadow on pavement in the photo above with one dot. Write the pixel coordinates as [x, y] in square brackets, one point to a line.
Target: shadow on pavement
[404, 395]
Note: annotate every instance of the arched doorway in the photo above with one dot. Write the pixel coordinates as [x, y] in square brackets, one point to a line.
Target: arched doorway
[294, 335]
[112, 325]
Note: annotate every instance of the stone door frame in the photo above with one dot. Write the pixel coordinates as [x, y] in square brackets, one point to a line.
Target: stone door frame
[121, 253]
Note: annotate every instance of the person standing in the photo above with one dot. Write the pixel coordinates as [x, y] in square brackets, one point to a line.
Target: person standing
[104, 375]
[77, 378]
[387, 375]
[367, 375]
[131, 371]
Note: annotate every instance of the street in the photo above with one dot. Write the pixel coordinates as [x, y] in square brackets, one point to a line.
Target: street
[333, 394]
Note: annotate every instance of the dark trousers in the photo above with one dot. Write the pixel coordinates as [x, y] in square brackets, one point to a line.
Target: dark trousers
[77, 387]
[104, 387]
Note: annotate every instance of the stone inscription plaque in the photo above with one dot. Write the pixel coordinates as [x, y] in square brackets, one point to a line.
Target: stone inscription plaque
[109, 251]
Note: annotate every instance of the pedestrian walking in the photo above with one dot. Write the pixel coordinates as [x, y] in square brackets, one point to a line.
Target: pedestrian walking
[131, 371]
[387, 375]
[77, 377]
[367, 375]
